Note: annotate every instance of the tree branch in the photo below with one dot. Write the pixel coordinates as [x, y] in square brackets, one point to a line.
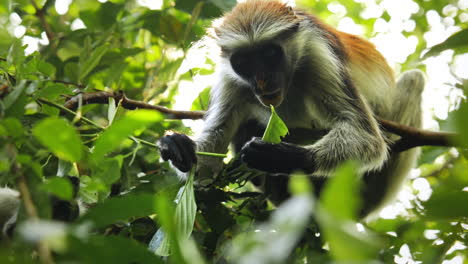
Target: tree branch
[410, 136]
[414, 137]
[103, 98]
[40, 13]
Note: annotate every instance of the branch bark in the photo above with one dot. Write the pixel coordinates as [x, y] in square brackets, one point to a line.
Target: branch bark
[120, 98]
[410, 136]
[40, 13]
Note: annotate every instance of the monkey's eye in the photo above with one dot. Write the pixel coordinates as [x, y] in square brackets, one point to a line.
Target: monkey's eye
[272, 51]
[240, 64]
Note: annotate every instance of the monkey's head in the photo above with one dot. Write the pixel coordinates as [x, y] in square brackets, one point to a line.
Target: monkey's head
[255, 38]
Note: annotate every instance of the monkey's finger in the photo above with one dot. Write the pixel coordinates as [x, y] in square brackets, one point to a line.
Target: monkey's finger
[260, 145]
[168, 148]
[186, 149]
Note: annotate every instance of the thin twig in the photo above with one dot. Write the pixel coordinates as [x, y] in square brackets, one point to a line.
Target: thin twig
[103, 98]
[42, 247]
[40, 13]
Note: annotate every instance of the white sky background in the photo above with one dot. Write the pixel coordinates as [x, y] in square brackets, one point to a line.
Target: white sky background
[389, 40]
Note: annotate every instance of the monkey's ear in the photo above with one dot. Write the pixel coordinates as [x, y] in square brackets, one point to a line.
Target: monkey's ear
[217, 32]
[291, 11]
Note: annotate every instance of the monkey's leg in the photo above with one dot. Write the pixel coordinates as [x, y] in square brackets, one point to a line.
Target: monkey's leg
[381, 187]
[408, 100]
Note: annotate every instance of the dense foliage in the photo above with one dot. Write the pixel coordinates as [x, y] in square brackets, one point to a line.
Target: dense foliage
[101, 159]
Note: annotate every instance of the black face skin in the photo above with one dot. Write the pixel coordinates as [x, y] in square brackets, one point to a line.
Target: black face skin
[263, 67]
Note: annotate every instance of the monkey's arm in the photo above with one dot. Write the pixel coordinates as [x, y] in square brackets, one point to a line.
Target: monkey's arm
[226, 112]
[342, 143]
[354, 135]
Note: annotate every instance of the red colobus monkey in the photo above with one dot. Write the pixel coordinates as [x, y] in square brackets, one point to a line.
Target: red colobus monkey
[318, 78]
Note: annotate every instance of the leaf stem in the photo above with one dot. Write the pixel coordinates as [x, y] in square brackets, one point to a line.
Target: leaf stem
[211, 154]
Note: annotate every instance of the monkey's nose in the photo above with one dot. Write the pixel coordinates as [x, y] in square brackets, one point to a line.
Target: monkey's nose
[261, 84]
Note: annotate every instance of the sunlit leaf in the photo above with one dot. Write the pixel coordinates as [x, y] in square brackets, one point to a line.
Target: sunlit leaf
[121, 129]
[457, 42]
[60, 138]
[276, 128]
[340, 196]
[339, 207]
[90, 63]
[273, 241]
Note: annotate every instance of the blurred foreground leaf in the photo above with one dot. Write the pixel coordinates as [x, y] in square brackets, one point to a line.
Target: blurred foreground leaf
[122, 208]
[112, 249]
[339, 205]
[60, 187]
[60, 137]
[274, 241]
[448, 205]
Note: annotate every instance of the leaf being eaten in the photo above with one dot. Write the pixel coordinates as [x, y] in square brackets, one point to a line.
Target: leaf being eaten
[276, 128]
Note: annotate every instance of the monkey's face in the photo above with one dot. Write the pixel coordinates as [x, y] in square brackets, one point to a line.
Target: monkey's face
[263, 68]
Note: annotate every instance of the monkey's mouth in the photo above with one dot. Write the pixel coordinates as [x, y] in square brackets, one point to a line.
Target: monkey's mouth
[274, 98]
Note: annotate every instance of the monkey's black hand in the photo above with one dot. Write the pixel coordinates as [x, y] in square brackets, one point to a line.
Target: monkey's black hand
[178, 148]
[277, 158]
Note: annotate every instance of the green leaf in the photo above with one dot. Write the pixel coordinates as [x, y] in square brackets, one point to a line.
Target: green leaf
[276, 128]
[92, 61]
[340, 197]
[111, 139]
[102, 18]
[461, 123]
[164, 25]
[45, 68]
[11, 127]
[348, 244]
[109, 169]
[458, 42]
[53, 90]
[122, 208]
[274, 241]
[448, 205]
[186, 208]
[339, 205]
[201, 102]
[112, 249]
[13, 97]
[16, 53]
[299, 184]
[185, 213]
[60, 138]
[59, 187]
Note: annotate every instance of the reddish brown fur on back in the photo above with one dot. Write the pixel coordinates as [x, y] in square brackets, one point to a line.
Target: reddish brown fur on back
[357, 50]
[364, 53]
